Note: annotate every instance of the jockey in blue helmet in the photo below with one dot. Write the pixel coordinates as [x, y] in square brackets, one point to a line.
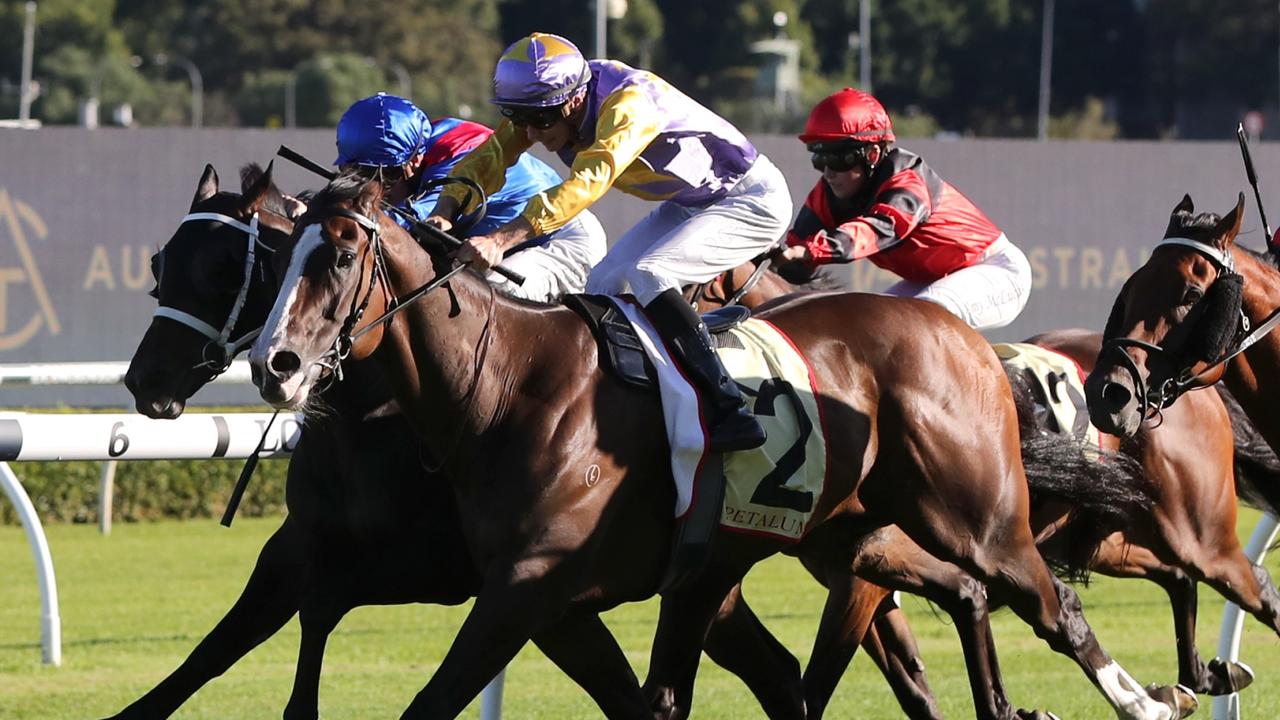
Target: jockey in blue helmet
[388, 138]
[720, 202]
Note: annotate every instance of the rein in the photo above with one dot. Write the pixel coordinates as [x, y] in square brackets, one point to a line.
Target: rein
[220, 340]
[701, 290]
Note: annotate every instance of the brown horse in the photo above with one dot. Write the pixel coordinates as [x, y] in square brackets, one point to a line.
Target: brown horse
[355, 534]
[1177, 325]
[512, 403]
[1190, 536]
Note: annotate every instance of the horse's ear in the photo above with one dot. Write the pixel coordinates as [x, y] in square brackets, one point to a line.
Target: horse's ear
[1229, 225]
[254, 195]
[207, 188]
[368, 199]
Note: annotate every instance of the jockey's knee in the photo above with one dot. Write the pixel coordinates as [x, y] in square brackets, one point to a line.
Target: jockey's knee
[647, 283]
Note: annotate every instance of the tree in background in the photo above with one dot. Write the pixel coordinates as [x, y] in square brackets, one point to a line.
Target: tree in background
[1137, 68]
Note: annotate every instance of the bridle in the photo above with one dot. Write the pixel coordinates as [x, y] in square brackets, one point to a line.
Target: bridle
[218, 352]
[332, 359]
[700, 290]
[1154, 399]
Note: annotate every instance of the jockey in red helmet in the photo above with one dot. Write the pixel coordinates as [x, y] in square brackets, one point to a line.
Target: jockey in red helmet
[881, 202]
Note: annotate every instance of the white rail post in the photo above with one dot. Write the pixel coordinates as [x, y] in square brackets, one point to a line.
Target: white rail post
[50, 622]
[491, 698]
[1227, 707]
[106, 496]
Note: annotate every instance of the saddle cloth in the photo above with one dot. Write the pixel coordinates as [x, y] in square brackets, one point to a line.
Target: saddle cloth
[771, 490]
[1058, 386]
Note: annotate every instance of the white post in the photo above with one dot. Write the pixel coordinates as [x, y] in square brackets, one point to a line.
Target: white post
[602, 28]
[106, 496]
[50, 623]
[1227, 707]
[1046, 70]
[864, 49]
[25, 96]
[491, 698]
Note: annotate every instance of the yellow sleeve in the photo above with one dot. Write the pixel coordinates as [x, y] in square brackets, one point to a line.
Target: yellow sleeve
[628, 122]
[487, 164]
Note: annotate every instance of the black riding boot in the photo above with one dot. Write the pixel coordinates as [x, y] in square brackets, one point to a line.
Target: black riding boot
[731, 424]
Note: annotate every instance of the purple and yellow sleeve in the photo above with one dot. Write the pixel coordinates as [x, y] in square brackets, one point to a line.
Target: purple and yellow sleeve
[487, 164]
[628, 122]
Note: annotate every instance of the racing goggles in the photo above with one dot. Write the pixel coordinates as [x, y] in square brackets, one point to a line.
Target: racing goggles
[387, 175]
[840, 159]
[540, 118]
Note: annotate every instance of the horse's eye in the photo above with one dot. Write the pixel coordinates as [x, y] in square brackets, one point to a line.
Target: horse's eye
[1192, 296]
[346, 259]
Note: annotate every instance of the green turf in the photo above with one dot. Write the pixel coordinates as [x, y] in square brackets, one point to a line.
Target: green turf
[136, 602]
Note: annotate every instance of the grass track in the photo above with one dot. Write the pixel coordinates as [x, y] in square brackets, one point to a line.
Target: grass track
[135, 603]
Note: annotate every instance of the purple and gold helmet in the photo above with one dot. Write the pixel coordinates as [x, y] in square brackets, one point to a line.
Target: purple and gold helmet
[541, 70]
[381, 131]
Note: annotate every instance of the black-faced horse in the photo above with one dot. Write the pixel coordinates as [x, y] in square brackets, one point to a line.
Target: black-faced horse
[512, 402]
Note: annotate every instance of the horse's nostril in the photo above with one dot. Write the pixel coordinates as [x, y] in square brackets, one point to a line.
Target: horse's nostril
[285, 363]
[1116, 395]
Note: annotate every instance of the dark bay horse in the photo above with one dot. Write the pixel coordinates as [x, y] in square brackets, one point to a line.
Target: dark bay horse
[1190, 537]
[511, 402]
[358, 530]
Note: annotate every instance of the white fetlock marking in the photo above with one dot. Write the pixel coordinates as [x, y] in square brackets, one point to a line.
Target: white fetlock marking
[1127, 696]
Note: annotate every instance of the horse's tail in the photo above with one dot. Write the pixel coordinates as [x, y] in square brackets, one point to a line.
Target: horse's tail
[1257, 469]
[1105, 492]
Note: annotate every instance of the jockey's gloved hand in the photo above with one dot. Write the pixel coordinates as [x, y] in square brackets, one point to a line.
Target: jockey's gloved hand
[796, 272]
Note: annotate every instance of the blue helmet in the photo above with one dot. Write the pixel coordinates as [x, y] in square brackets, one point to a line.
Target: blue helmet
[381, 130]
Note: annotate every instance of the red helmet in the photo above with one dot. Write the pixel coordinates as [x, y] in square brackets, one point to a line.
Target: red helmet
[848, 115]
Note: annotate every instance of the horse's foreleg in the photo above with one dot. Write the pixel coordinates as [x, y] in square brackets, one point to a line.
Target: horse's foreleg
[267, 602]
[584, 649]
[1250, 587]
[740, 643]
[850, 608]
[892, 646]
[318, 617]
[509, 611]
[683, 622]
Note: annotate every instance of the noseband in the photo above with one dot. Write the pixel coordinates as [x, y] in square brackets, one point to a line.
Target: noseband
[220, 350]
[1154, 399]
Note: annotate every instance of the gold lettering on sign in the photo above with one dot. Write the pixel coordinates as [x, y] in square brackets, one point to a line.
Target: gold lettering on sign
[99, 271]
[17, 216]
[134, 269]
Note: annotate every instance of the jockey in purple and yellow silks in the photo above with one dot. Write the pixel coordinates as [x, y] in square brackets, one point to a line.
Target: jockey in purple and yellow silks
[721, 202]
[388, 137]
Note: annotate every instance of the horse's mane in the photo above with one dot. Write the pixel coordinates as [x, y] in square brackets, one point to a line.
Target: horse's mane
[344, 188]
[1182, 220]
[274, 201]
[1266, 258]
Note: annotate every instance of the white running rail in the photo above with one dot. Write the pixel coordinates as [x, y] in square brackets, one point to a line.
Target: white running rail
[1227, 707]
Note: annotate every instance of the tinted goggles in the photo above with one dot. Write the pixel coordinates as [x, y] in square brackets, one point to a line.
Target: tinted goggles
[840, 158]
[386, 175]
[535, 117]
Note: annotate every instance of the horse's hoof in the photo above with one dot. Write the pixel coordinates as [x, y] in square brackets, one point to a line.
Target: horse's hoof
[1035, 715]
[1180, 698]
[1235, 676]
